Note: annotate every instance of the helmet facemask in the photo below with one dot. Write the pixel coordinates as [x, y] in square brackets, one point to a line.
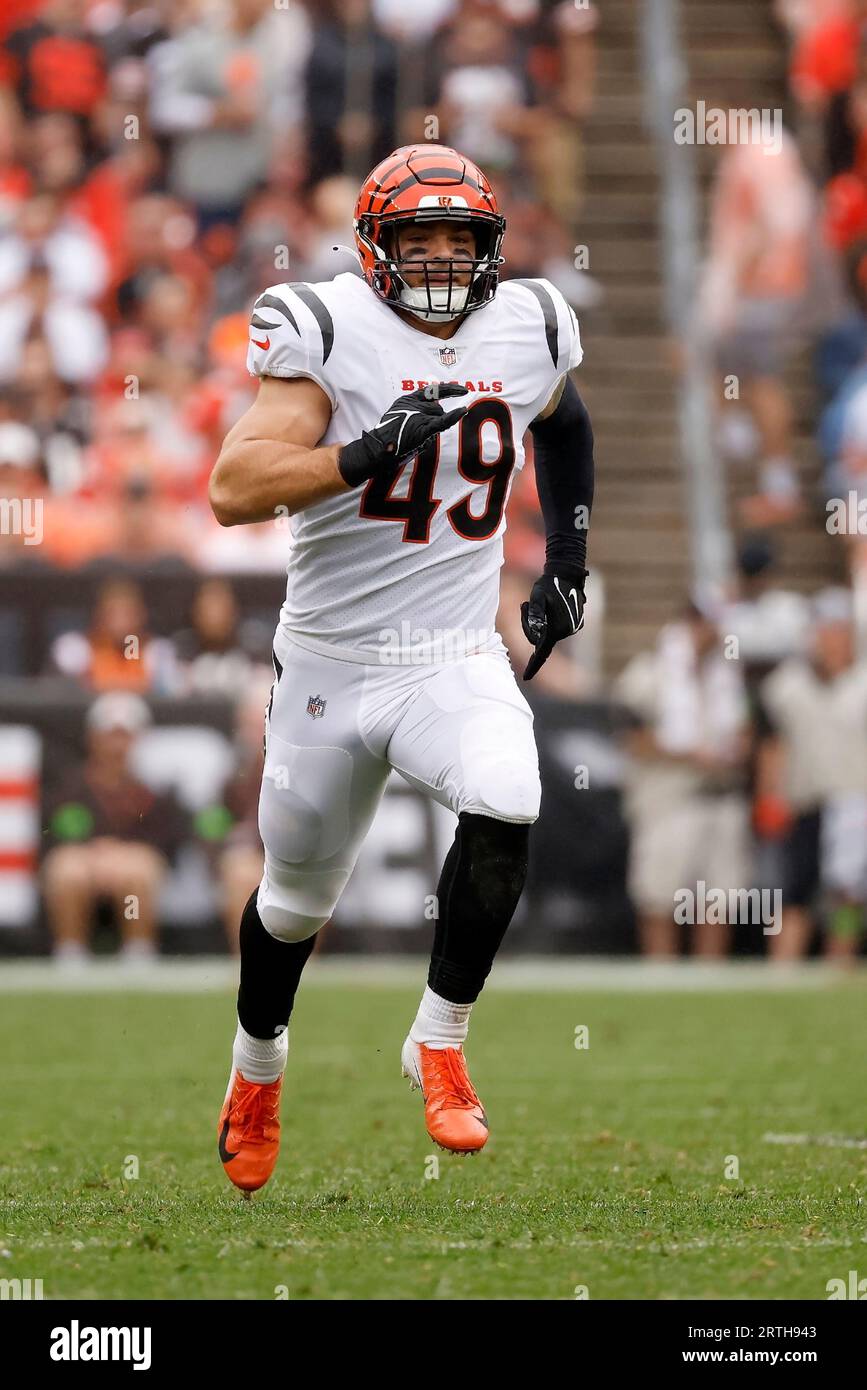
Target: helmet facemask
[432, 302]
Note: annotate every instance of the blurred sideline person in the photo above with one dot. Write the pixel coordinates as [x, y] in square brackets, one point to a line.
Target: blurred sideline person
[110, 838]
[812, 782]
[241, 857]
[685, 801]
[211, 659]
[755, 281]
[386, 655]
[117, 652]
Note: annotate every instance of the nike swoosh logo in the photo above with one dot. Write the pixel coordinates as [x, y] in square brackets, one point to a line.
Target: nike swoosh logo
[262, 343]
[225, 1154]
[392, 415]
[575, 619]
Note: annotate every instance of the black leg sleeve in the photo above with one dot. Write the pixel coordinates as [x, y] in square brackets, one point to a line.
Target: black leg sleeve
[480, 884]
[270, 972]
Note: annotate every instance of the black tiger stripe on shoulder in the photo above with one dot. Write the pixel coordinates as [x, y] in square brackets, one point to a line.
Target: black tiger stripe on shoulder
[270, 301]
[320, 313]
[549, 310]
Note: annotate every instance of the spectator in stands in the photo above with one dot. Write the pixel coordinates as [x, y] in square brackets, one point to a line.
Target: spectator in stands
[71, 253]
[150, 440]
[210, 655]
[351, 84]
[755, 281]
[685, 799]
[485, 90]
[109, 838]
[218, 91]
[332, 208]
[769, 621]
[812, 783]
[117, 652]
[142, 535]
[58, 412]
[565, 75]
[241, 858]
[56, 64]
[73, 333]
[159, 241]
[824, 58]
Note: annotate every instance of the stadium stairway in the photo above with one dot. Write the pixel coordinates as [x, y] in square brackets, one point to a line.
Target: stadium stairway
[639, 536]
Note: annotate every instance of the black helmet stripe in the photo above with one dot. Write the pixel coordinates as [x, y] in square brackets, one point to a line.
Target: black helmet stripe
[456, 176]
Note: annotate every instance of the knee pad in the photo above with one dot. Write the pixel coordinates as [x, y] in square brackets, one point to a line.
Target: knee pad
[295, 901]
[508, 790]
[500, 766]
[303, 806]
[288, 926]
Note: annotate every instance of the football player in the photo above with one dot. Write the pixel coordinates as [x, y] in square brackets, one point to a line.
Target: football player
[388, 424]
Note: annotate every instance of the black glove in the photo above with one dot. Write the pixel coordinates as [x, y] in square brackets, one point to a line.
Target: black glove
[555, 610]
[407, 424]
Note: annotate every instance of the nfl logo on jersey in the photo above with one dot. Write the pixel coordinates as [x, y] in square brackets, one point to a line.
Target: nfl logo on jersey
[316, 706]
[448, 356]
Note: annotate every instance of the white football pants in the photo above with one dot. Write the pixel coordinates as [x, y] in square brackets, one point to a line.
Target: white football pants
[459, 731]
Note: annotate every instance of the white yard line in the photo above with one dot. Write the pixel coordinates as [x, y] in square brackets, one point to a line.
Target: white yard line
[563, 975]
[824, 1141]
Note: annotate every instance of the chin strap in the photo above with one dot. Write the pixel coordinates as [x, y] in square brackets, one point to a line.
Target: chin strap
[418, 303]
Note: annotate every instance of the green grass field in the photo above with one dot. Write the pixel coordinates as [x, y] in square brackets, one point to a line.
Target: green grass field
[606, 1166]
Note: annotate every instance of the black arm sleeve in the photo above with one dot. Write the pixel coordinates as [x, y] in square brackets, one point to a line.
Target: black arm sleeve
[563, 451]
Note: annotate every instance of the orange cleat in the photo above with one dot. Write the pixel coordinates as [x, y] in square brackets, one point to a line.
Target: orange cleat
[454, 1115]
[249, 1131]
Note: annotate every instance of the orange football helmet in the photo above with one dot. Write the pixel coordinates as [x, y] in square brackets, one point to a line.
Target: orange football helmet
[428, 182]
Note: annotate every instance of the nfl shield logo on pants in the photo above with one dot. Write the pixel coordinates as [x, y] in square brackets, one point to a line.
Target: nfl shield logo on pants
[316, 706]
[448, 356]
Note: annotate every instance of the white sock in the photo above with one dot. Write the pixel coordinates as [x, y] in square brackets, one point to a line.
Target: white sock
[439, 1023]
[260, 1060]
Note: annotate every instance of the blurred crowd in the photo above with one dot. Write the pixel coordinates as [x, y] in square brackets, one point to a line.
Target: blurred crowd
[161, 161]
[750, 715]
[787, 267]
[159, 164]
[747, 780]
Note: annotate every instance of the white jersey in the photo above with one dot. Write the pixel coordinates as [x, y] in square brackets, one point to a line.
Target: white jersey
[405, 568]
